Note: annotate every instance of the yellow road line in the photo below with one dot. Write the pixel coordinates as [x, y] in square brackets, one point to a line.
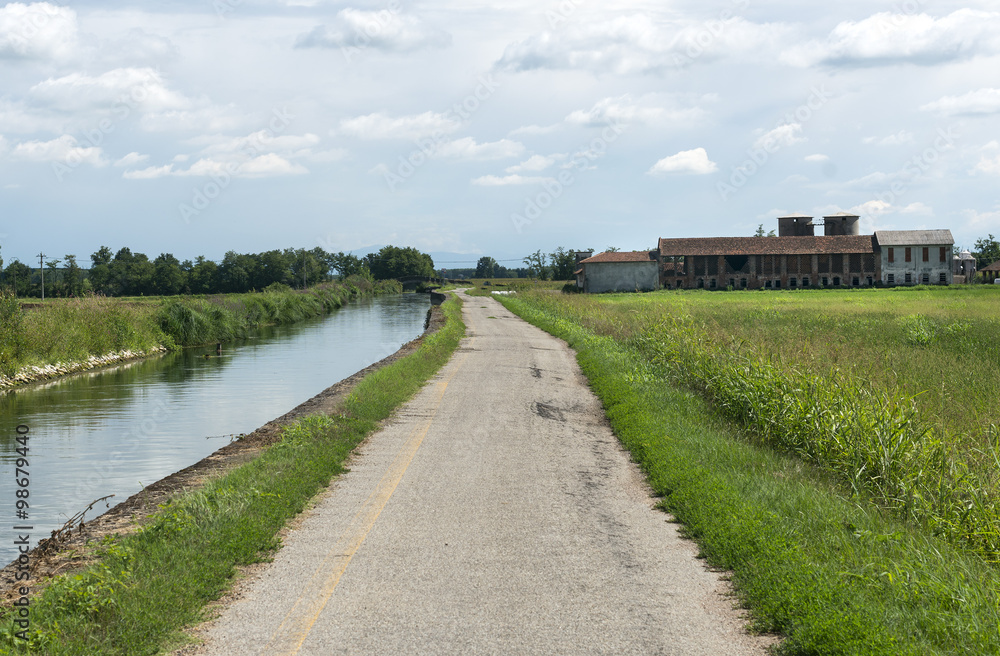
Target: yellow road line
[297, 624]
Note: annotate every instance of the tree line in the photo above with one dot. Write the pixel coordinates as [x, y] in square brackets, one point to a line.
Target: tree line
[124, 273]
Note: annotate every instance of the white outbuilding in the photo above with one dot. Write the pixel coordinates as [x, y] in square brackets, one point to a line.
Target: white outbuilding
[915, 257]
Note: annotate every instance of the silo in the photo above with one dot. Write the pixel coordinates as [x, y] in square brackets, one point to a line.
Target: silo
[842, 223]
[795, 225]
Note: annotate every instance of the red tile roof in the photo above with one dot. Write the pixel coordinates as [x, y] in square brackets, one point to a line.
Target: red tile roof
[621, 256]
[767, 245]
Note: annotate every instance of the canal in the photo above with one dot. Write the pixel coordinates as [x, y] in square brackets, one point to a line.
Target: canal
[114, 430]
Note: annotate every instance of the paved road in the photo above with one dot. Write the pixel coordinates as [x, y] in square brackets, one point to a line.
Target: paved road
[496, 514]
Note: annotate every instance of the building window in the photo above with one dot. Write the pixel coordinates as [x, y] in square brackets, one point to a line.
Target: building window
[927, 254]
[732, 283]
[927, 278]
[791, 283]
[743, 283]
[836, 281]
[701, 283]
[825, 282]
[909, 256]
[891, 279]
[805, 282]
[711, 283]
[855, 282]
[943, 279]
[777, 284]
[892, 257]
[869, 281]
[909, 278]
[944, 253]
[767, 284]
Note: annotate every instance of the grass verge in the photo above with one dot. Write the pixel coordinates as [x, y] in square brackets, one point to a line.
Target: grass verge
[147, 586]
[832, 576]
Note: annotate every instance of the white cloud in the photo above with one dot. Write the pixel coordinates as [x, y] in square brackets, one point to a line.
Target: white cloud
[818, 157]
[614, 111]
[467, 148]
[498, 181]
[780, 137]
[918, 209]
[535, 129]
[355, 30]
[63, 149]
[535, 163]
[37, 31]
[638, 44]
[898, 139]
[150, 173]
[872, 209]
[141, 88]
[983, 101]
[380, 126]
[888, 38]
[687, 161]
[269, 165]
[212, 118]
[262, 141]
[132, 159]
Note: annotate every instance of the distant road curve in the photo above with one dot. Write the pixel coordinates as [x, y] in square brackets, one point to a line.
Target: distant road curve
[496, 514]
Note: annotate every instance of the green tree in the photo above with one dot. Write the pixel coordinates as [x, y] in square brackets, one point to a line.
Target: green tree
[168, 276]
[611, 249]
[53, 281]
[100, 270]
[486, 267]
[72, 276]
[18, 275]
[536, 263]
[987, 251]
[203, 278]
[395, 262]
[563, 263]
[346, 264]
[762, 233]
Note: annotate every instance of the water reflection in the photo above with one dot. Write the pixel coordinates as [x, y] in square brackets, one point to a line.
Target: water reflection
[110, 432]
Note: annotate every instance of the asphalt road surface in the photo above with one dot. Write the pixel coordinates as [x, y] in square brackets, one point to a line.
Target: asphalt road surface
[496, 514]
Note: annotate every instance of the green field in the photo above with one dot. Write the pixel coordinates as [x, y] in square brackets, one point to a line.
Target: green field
[836, 450]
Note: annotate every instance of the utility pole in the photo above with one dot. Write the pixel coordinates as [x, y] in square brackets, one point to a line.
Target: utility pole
[41, 269]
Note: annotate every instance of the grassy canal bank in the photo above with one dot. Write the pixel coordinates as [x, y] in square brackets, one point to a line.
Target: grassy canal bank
[148, 585]
[856, 519]
[72, 334]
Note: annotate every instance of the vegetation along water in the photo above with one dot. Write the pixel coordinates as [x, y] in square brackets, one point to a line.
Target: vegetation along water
[71, 330]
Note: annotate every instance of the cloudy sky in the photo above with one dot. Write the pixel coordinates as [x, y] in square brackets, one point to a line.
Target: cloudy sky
[196, 127]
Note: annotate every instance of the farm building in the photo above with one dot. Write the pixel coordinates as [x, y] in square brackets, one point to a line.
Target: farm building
[621, 271]
[991, 272]
[768, 262]
[915, 257]
[964, 268]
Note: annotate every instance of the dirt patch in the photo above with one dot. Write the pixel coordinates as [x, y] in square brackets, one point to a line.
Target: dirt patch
[72, 550]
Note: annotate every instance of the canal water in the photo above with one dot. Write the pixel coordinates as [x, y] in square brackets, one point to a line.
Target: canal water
[115, 430]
